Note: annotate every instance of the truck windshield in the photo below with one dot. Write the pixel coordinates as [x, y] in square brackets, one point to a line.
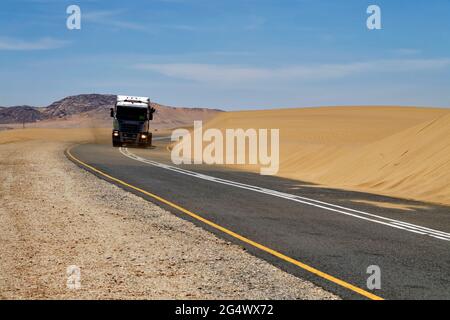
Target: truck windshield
[131, 113]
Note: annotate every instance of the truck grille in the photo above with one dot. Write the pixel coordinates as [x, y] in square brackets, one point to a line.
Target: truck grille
[129, 137]
[129, 128]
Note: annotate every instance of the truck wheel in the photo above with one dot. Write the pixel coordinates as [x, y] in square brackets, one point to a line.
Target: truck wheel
[116, 144]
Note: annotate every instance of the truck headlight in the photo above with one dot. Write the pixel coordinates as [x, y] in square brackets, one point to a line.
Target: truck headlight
[115, 134]
[143, 136]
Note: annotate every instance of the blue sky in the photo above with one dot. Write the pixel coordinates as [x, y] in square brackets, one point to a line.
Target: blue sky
[230, 54]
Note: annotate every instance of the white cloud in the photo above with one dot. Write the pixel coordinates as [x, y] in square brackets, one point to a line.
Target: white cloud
[233, 73]
[24, 45]
[206, 72]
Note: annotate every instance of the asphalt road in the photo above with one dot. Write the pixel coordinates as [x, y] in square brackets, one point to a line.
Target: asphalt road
[321, 228]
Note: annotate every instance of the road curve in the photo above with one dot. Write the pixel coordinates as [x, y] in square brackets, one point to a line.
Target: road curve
[315, 233]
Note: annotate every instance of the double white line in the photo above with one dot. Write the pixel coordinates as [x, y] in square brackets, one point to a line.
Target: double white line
[311, 202]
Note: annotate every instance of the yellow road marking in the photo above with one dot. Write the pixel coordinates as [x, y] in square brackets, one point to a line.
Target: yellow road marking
[277, 254]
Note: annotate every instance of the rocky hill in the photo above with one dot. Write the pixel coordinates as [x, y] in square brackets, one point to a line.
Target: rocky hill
[20, 114]
[82, 103]
[93, 110]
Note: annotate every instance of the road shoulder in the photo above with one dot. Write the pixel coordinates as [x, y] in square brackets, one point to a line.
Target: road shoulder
[54, 215]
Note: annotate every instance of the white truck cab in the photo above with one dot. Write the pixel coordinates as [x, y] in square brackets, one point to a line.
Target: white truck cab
[132, 116]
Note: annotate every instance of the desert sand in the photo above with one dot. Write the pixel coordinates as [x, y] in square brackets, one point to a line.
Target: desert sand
[54, 215]
[397, 151]
[54, 134]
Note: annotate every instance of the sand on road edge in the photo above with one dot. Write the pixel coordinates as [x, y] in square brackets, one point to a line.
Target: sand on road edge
[54, 215]
[401, 152]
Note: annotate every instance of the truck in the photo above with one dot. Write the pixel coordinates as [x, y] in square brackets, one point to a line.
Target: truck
[131, 124]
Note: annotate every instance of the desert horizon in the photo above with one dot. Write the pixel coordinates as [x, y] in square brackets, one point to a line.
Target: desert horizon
[322, 145]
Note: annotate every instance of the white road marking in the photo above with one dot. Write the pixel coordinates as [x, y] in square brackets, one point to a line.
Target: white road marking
[159, 138]
[311, 202]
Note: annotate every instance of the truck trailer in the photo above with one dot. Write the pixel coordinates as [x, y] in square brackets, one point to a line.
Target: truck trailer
[131, 124]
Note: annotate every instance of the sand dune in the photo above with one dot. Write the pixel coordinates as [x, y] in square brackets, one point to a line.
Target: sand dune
[398, 151]
[412, 163]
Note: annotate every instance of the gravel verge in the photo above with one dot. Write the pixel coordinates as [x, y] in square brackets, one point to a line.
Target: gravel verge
[54, 215]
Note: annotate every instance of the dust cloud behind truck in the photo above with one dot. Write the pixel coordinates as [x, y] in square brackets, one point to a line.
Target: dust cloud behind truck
[131, 124]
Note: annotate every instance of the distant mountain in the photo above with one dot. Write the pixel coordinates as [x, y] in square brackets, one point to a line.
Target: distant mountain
[79, 104]
[94, 109]
[20, 114]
